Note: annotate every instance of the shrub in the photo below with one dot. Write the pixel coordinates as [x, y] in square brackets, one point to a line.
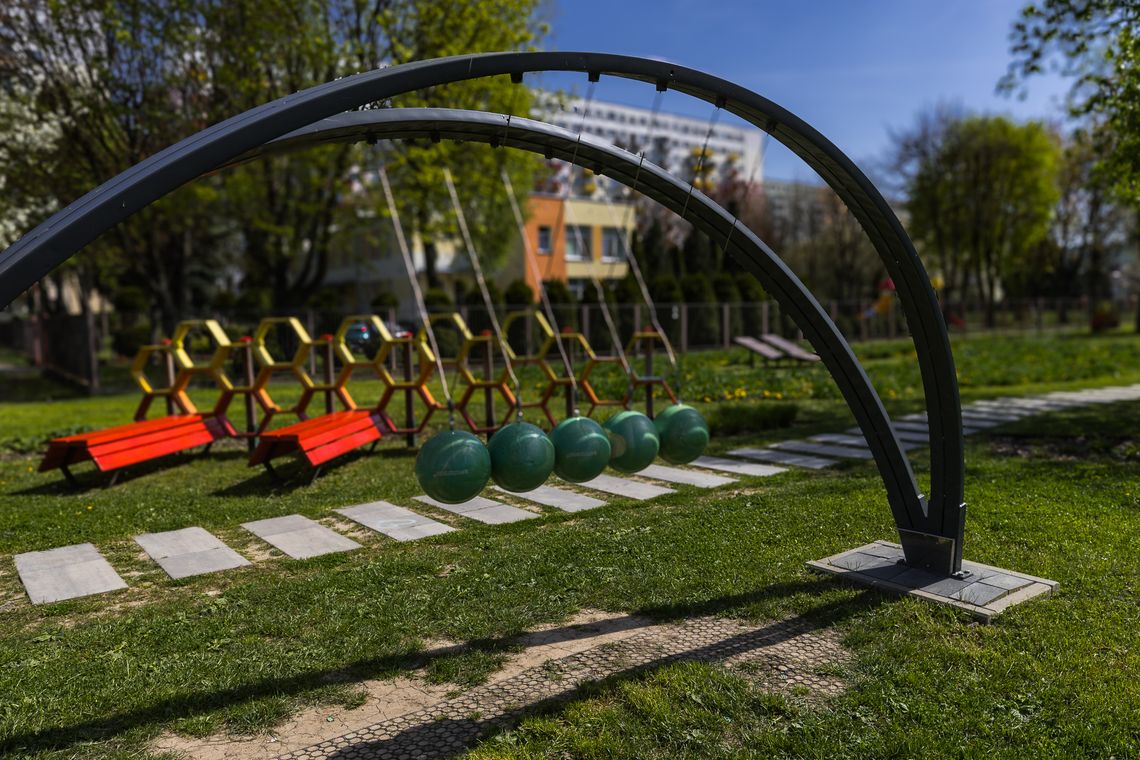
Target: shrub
[750, 417]
[1104, 317]
[704, 315]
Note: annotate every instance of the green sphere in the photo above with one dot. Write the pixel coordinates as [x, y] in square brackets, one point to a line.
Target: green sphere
[683, 432]
[581, 449]
[453, 467]
[633, 440]
[522, 457]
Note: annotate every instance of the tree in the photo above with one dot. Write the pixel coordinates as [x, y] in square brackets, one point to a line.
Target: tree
[416, 30]
[1097, 43]
[982, 199]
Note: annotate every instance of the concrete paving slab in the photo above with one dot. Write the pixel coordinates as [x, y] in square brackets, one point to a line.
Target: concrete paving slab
[736, 467]
[984, 591]
[471, 505]
[629, 489]
[299, 537]
[189, 551]
[685, 477]
[784, 457]
[807, 447]
[482, 510]
[68, 572]
[560, 498]
[394, 522]
[841, 439]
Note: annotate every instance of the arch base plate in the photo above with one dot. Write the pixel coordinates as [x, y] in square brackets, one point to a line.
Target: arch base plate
[984, 591]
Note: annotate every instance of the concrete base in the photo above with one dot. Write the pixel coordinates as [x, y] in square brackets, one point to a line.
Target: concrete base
[985, 593]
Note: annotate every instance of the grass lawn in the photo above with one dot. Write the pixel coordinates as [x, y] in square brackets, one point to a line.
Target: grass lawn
[1056, 496]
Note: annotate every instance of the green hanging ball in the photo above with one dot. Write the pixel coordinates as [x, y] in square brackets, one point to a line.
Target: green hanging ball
[581, 449]
[453, 467]
[683, 432]
[633, 440]
[522, 457]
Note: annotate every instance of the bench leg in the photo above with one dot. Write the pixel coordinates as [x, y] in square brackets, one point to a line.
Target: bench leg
[69, 476]
[316, 473]
[111, 481]
[206, 449]
[273, 472]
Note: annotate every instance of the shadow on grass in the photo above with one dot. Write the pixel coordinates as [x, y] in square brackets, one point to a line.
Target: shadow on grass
[445, 738]
[90, 479]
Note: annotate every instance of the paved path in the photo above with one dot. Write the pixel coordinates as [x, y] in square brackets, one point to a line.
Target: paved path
[70, 572]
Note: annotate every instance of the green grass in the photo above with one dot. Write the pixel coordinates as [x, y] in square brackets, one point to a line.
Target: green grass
[1056, 496]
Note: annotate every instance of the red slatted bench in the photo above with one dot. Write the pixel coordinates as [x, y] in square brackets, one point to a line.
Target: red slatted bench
[319, 439]
[114, 448]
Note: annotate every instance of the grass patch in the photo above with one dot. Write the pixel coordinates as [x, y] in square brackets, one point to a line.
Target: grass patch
[242, 650]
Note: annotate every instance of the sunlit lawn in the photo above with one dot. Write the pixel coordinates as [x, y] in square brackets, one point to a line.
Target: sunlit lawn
[1057, 496]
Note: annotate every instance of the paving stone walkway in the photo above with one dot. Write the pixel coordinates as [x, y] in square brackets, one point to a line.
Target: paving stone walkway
[788, 656]
[75, 571]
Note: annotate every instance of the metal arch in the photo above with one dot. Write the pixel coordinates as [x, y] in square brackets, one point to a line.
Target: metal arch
[54, 241]
[903, 495]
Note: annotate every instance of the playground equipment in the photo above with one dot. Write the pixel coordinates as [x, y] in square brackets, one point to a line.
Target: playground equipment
[930, 529]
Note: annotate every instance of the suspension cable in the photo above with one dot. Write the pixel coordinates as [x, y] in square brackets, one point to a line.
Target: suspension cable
[531, 260]
[417, 292]
[482, 283]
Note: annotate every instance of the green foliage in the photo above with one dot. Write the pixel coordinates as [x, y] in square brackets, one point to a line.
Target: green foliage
[734, 418]
[704, 313]
[981, 192]
[518, 294]
[564, 303]
[1097, 43]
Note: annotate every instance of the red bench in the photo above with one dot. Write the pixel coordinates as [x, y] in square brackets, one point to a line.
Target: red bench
[115, 448]
[319, 439]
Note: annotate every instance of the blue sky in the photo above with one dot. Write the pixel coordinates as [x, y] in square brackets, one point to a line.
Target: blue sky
[855, 69]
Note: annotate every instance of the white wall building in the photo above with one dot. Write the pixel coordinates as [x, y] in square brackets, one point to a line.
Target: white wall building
[675, 139]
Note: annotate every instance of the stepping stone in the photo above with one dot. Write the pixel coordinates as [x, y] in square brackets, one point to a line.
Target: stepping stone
[560, 498]
[299, 537]
[736, 467]
[917, 427]
[482, 509]
[783, 457]
[841, 439]
[190, 551]
[394, 522]
[857, 441]
[807, 447]
[68, 572]
[685, 477]
[629, 489]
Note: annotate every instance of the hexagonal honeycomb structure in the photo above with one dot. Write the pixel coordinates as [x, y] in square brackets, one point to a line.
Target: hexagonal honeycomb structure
[642, 340]
[170, 389]
[498, 382]
[413, 387]
[352, 360]
[271, 365]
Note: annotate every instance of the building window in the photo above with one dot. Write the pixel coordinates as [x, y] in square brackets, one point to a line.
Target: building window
[545, 238]
[613, 245]
[578, 243]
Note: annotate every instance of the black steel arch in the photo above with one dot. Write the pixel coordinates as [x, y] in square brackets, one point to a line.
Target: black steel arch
[45, 247]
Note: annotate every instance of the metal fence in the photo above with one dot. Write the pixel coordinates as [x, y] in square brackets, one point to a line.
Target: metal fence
[76, 347]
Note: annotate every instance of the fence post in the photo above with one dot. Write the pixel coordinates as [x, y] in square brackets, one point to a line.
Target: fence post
[726, 322]
[649, 374]
[584, 310]
[685, 327]
[311, 327]
[93, 353]
[409, 402]
[250, 411]
[328, 373]
[488, 393]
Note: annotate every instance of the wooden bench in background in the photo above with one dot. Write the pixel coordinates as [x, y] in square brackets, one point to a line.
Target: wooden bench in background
[112, 449]
[790, 349]
[319, 439]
